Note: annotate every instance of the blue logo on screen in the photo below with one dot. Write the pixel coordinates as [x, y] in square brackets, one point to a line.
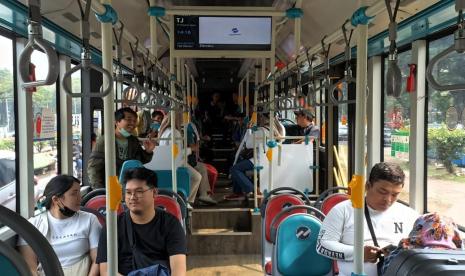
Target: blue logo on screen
[235, 30]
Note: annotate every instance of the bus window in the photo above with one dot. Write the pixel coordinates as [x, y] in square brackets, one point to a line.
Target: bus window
[7, 126]
[396, 131]
[45, 125]
[445, 142]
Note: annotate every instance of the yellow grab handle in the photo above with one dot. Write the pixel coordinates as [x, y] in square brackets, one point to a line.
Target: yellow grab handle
[175, 150]
[269, 154]
[115, 194]
[356, 189]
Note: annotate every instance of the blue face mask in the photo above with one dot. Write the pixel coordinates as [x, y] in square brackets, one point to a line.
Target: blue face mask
[155, 126]
[124, 132]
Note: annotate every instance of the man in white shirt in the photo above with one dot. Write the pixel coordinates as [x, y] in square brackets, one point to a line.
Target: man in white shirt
[391, 221]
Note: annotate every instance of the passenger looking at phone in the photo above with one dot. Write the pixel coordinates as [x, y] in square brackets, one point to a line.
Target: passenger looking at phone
[390, 221]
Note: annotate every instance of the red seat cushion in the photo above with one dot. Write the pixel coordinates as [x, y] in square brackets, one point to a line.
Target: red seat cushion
[332, 201]
[268, 268]
[169, 205]
[212, 176]
[275, 205]
[99, 203]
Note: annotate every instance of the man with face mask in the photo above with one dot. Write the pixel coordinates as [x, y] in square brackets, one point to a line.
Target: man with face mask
[157, 118]
[127, 147]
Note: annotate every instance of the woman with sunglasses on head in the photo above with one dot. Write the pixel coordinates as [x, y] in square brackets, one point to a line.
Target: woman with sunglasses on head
[73, 234]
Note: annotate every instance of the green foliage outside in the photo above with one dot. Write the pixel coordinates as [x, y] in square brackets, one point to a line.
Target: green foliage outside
[7, 144]
[448, 145]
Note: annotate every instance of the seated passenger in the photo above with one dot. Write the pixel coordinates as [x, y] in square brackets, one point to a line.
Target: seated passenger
[157, 118]
[242, 185]
[197, 171]
[73, 234]
[127, 147]
[429, 231]
[390, 220]
[158, 237]
[304, 119]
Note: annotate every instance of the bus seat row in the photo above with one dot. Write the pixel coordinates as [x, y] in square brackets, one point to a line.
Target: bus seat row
[166, 200]
[164, 176]
[290, 228]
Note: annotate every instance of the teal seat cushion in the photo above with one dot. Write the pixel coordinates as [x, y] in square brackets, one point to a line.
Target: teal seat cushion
[183, 180]
[7, 267]
[296, 247]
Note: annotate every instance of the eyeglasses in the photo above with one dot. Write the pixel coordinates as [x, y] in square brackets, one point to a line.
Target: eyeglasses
[136, 193]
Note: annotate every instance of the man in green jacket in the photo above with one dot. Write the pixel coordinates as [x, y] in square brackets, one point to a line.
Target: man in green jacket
[127, 147]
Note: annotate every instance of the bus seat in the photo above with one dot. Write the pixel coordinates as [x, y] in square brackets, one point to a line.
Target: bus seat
[99, 204]
[331, 201]
[273, 206]
[183, 180]
[100, 216]
[169, 205]
[7, 267]
[129, 164]
[212, 176]
[163, 176]
[294, 252]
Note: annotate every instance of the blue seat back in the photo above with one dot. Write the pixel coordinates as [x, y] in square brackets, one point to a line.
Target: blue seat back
[183, 180]
[163, 176]
[130, 164]
[7, 267]
[295, 248]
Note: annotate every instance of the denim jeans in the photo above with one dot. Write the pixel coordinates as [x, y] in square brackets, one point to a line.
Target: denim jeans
[241, 183]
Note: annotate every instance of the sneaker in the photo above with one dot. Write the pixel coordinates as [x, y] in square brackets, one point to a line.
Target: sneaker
[207, 199]
[234, 197]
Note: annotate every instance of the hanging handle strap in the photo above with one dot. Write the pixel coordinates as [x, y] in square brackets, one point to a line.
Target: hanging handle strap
[36, 41]
[393, 74]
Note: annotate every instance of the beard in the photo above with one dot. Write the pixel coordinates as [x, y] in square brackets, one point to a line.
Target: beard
[137, 212]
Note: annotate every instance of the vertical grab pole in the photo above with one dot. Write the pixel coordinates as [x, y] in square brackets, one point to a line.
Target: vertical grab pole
[173, 112]
[272, 106]
[247, 95]
[360, 115]
[254, 117]
[153, 33]
[189, 96]
[185, 118]
[109, 129]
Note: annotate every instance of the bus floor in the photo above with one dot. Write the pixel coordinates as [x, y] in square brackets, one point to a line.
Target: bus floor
[224, 265]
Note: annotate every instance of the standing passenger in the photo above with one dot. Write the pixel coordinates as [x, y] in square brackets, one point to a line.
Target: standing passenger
[127, 148]
[390, 219]
[73, 234]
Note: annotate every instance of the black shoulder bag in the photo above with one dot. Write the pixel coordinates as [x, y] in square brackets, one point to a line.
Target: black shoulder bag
[380, 263]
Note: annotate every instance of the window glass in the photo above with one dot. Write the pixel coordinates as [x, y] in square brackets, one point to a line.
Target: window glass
[7, 126]
[396, 129]
[45, 126]
[446, 136]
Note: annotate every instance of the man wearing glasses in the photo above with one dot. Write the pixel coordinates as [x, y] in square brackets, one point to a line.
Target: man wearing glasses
[157, 237]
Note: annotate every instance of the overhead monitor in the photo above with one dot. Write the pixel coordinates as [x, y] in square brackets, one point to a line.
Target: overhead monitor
[222, 33]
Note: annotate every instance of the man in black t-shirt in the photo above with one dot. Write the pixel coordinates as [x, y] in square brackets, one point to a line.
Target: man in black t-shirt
[158, 236]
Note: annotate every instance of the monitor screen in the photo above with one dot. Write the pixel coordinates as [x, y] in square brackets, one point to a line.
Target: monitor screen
[222, 33]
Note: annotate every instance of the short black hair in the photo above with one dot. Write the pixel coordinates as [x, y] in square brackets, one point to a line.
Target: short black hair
[387, 171]
[119, 114]
[57, 186]
[158, 113]
[142, 174]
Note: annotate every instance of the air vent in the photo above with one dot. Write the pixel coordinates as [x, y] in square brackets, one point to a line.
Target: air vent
[70, 17]
[95, 35]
